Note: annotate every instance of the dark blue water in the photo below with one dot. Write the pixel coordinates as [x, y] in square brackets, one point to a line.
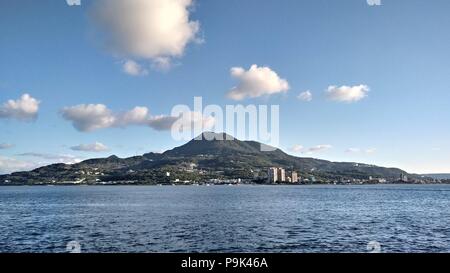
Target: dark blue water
[408, 218]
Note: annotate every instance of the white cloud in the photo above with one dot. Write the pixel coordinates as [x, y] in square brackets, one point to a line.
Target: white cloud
[361, 151]
[188, 121]
[347, 93]
[305, 96]
[94, 147]
[145, 29]
[139, 115]
[10, 165]
[25, 108]
[162, 64]
[52, 158]
[256, 82]
[319, 148]
[91, 117]
[161, 122]
[297, 148]
[353, 150]
[32, 161]
[4, 146]
[132, 68]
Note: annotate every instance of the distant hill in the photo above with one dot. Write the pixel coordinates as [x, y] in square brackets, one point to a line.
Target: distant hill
[438, 175]
[199, 160]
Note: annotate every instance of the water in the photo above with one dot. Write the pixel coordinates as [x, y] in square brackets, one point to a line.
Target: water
[407, 218]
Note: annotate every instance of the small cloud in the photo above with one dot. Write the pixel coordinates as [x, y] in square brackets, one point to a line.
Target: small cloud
[132, 68]
[32, 161]
[162, 64]
[353, 150]
[10, 165]
[311, 150]
[52, 158]
[305, 96]
[319, 148]
[297, 148]
[94, 147]
[4, 146]
[361, 151]
[347, 93]
[256, 82]
[25, 108]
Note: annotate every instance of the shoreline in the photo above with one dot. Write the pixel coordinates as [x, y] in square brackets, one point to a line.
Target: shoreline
[211, 185]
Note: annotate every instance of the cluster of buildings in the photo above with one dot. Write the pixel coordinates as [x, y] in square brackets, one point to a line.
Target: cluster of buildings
[278, 175]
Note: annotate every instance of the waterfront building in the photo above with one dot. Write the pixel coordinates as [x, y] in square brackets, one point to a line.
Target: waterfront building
[282, 174]
[294, 177]
[273, 175]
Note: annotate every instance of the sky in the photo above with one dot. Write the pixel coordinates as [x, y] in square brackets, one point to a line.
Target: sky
[354, 82]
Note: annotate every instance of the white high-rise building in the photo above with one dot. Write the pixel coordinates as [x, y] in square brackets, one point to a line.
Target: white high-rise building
[282, 174]
[273, 175]
[294, 177]
[276, 175]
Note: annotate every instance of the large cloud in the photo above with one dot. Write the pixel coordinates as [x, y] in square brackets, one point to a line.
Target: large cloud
[145, 29]
[94, 147]
[25, 108]
[347, 93]
[256, 82]
[91, 117]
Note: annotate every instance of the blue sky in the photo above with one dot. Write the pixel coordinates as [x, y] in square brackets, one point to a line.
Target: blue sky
[57, 53]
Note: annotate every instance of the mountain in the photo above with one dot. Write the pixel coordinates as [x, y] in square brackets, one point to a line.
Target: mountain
[199, 160]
